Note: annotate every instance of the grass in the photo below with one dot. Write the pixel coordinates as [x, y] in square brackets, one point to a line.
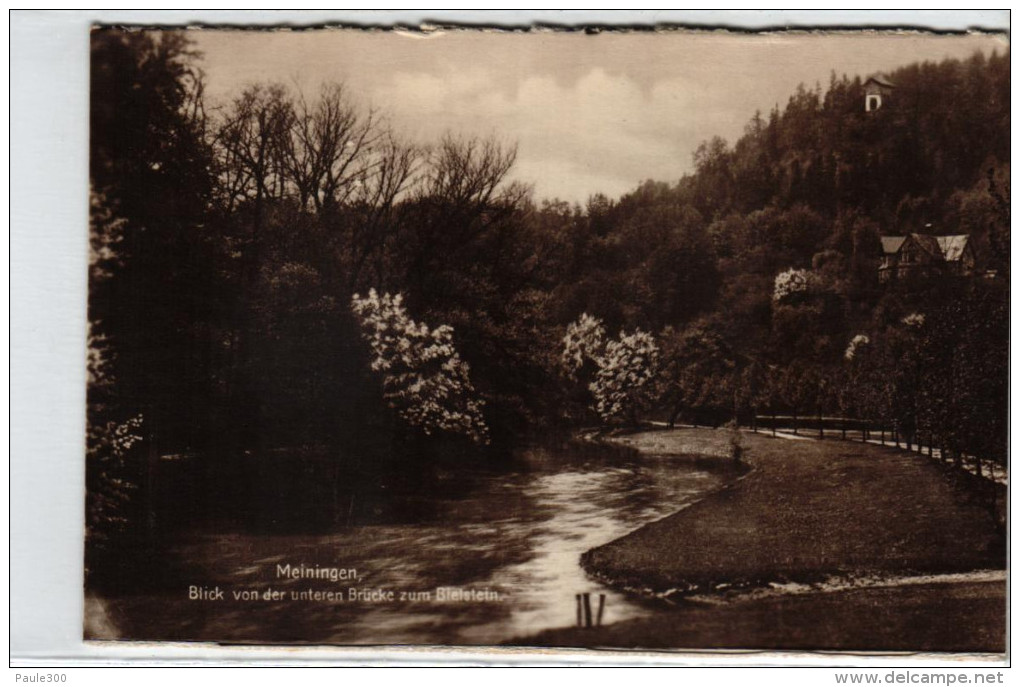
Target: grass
[807, 512]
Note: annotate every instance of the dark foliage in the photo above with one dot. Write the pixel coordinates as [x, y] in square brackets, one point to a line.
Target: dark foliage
[227, 249]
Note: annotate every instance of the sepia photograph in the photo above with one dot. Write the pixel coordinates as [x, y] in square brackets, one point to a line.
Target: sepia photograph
[646, 340]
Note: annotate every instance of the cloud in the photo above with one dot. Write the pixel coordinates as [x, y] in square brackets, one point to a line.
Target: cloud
[589, 113]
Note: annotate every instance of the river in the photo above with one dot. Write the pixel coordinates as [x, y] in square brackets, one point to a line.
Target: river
[512, 538]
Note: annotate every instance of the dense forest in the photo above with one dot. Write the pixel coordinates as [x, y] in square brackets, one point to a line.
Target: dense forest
[299, 305]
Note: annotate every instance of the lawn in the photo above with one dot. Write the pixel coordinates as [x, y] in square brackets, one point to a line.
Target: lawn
[809, 511]
[859, 517]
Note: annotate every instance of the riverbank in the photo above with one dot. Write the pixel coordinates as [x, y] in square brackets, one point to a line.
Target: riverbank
[937, 617]
[826, 514]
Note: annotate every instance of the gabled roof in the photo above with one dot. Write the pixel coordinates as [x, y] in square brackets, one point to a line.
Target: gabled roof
[928, 243]
[891, 244]
[881, 80]
[952, 247]
[948, 248]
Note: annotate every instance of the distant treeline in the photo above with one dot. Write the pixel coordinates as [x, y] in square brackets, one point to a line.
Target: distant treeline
[228, 243]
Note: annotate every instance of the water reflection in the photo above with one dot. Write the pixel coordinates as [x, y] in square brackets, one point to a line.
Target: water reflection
[517, 533]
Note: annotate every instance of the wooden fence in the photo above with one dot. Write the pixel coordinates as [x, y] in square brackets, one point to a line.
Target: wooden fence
[870, 431]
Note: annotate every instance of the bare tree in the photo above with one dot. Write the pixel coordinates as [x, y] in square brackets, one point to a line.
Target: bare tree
[389, 177]
[328, 149]
[250, 143]
[463, 197]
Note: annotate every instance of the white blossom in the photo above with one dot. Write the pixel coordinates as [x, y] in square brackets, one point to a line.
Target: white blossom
[625, 367]
[424, 379]
[856, 343]
[790, 282]
[584, 340]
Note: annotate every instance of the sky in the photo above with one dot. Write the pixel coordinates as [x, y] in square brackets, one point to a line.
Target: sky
[589, 113]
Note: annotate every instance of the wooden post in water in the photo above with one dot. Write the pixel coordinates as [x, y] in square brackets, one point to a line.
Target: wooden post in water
[577, 597]
[587, 609]
[602, 606]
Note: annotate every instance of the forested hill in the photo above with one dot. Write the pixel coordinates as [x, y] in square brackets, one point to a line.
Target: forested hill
[813, 184]
[940, 129]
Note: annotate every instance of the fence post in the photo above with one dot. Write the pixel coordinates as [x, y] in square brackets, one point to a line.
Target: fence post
[577, 598]
[602, 605]
[587, 609]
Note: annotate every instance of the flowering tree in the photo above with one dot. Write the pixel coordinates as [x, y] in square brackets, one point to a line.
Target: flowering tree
[108, 449]
[584, 341]
[790, 282]
[111, 460]
[624, 367]
[626, 370]
[424, 379]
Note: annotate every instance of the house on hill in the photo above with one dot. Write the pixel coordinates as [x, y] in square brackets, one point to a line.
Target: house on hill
[877, 89]
[923, 254]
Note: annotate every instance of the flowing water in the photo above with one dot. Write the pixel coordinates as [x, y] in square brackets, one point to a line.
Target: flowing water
[512, 539]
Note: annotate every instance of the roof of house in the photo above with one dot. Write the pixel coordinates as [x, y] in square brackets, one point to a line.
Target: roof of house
[881, 80]
[891, 244]
[948, 248]
[953, 246]
[928, 243]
